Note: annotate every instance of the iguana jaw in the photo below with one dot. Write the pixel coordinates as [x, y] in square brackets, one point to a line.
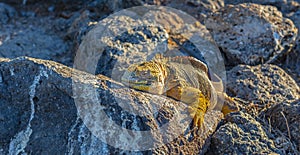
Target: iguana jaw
[143, 85]
[151, 82]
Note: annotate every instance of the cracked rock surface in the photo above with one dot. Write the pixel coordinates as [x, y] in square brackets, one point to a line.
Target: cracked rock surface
[44, 116]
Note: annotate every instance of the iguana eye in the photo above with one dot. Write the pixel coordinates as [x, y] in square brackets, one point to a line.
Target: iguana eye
[145, 73]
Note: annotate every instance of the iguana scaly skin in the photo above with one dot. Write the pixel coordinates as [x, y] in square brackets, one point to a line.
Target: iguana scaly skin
[182, 78]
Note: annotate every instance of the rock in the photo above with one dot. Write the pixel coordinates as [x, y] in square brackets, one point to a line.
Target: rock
[292, 62]
[186, 5]
[196, 145]
[79, 27]
[32, 42]
[36, 108]
[156, 2]
[196, 8]
[6, 13]
[29, 37]
[285, 6]
[242, 134]
[115, 5]
[205, 5]
[49, 108]
[263, 85]
[286, 117]
[117, 51]
[251, 34]
[128, 37]
[295, 18]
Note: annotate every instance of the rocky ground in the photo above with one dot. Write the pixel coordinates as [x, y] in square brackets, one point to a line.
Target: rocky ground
[45, 103]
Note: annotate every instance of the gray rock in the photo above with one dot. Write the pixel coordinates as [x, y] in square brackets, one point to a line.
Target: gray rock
[251, 34]
[80, 25]
[133, 36]
[292, 62]
[31, 37]
[156, 2]
[295, 18]
[285, 6]
[286, 117]
[32, 42]
[120, 46]
[213, 4]
[48, 108]
[242, 134]
[95, 10]
[263, 85]
[203, 6]
[196, 8]
[114, 5]
[36, 108]
[6, 13]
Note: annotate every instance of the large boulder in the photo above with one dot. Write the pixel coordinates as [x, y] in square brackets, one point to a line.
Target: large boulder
[242, 134]
[286, 117]
[262, 85]
[48, 108]
[251, 33]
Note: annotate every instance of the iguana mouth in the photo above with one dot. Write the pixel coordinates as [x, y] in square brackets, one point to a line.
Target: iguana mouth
[137, 82]
[132, 79]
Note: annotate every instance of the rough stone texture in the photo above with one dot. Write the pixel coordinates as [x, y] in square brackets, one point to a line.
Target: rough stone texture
[197, 145]
[196, 8]
[36, 108]
[286, 118]
[29, 36]
[99, 9]
[284, 6]
[127, 40]
[263, 85]
[118, 51]
[251, 34]
[93, 12]
[115, 5]
[32, 42]
[41, 117]
[292, 62]
[242, 134]
[6, 13]
[81, 24]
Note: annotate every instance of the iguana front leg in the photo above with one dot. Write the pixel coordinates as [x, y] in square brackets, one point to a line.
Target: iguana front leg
[194, 98]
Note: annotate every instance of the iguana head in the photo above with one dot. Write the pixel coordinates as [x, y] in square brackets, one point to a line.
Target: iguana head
[146, 76]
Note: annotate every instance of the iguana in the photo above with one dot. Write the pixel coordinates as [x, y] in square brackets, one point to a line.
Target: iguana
[182, 78]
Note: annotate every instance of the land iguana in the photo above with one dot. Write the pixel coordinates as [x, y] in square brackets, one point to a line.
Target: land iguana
[182, 78]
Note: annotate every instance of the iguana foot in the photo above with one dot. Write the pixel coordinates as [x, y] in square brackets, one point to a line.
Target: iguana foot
[197, 115]
[230, 105]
